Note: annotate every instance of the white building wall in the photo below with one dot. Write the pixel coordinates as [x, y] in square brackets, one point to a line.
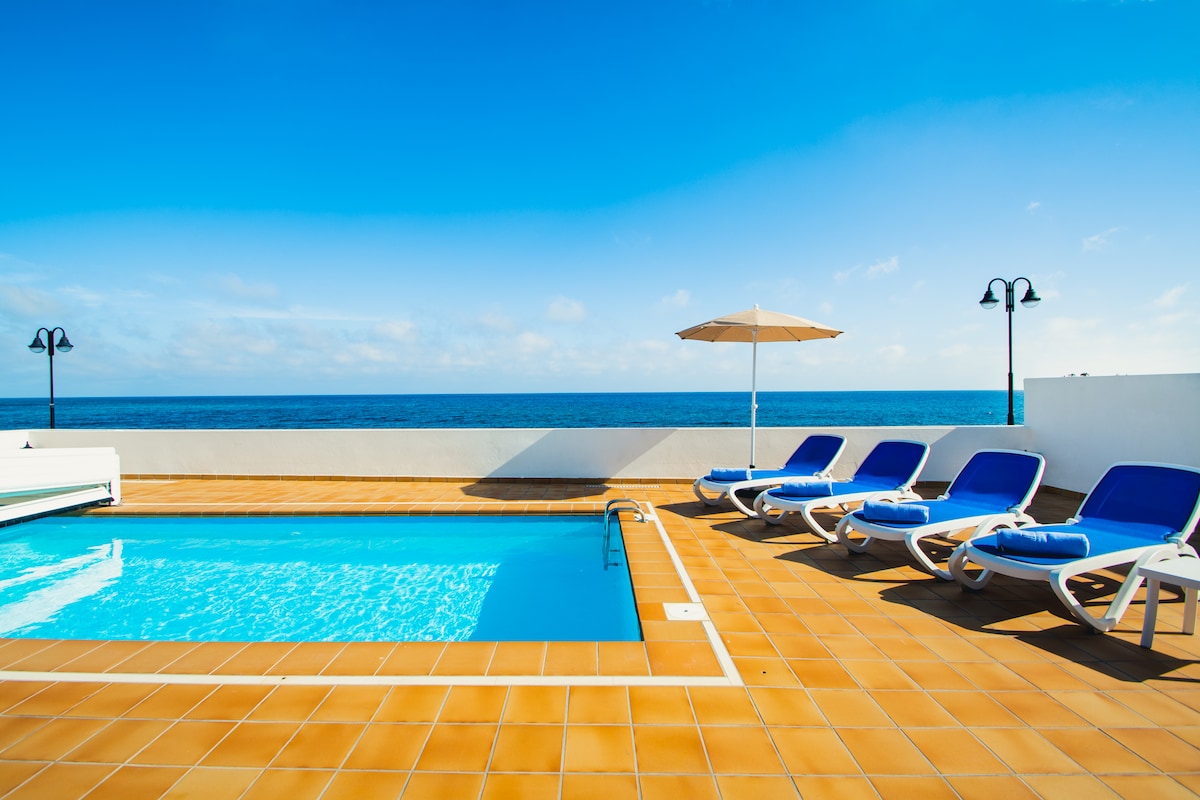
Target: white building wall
[1084, 424]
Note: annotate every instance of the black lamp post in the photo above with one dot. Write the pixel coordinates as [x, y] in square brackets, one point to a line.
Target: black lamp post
[38, 346]
[1029, 301]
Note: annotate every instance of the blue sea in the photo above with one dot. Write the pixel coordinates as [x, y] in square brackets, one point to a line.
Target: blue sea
[600, 410]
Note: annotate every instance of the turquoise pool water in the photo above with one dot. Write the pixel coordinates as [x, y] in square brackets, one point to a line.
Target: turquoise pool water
[452, 578]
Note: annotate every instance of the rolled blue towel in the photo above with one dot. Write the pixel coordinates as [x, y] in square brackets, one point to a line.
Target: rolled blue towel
[805, 488]
[729, 474]
[1059, 544]
[879, 511]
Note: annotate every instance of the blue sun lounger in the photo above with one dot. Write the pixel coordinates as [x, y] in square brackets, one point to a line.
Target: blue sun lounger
[1138, 513]
[886, 474]
[993, 489]
[814, 458]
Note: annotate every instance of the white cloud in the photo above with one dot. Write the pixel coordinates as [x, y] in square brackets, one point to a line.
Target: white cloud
[1098, 242]
[460, 361]
[497, 322]
[1067, 326]
[1033, 206]
[1170, 298]
[892, 352]
[395, 330]
[18, 270]
[367, 351]
[885, 267]
[294, 313]
[19, 301]
[162, 278]
[220, 346]
[564, 309]
[234, 286]
[658, 346]
[85, 296]
[534, 343]
[681, 299]
[1167, 320]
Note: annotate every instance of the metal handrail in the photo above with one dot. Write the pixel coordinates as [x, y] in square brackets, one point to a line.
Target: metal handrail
[612, 509]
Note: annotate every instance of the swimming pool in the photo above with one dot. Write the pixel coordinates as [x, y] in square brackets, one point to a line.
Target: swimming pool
[435, 578]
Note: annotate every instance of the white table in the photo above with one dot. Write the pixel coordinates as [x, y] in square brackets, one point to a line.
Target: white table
[1183, 572]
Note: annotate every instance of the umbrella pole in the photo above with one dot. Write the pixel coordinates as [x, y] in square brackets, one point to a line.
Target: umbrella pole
[753, 392]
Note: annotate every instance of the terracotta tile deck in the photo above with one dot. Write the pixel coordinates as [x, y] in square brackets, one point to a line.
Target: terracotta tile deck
[851, 676]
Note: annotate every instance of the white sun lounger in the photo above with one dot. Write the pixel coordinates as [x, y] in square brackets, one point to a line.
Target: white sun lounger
[814, 458]
[994, 488]
[1137, 514]
[887, 473]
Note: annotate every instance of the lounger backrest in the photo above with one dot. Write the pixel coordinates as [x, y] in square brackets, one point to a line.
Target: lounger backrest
[816, 453]
[1154, 500]
[894, 462]
[1000, 479]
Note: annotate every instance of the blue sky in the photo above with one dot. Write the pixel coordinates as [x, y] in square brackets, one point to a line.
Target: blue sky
[261, 197]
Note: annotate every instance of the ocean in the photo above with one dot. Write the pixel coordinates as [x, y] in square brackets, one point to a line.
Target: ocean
[599, 410]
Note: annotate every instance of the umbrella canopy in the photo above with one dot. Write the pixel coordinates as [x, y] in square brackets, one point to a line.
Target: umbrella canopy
[756, 326]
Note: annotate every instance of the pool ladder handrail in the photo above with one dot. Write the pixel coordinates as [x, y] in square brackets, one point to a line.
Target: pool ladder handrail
[612, 509]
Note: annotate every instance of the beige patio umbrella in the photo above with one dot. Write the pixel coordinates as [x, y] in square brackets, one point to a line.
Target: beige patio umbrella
[756, 326]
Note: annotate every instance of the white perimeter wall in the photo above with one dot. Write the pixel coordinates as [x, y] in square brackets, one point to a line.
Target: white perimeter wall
[1084, 424]
[601, 453]
[1081, 425]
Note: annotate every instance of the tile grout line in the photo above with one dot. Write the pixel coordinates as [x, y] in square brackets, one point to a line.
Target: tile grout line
[180, 718]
